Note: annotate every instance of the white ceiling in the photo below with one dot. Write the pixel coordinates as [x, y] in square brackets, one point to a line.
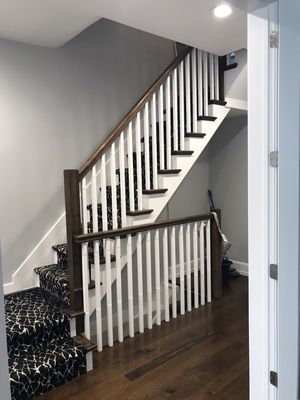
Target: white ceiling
[54, 22]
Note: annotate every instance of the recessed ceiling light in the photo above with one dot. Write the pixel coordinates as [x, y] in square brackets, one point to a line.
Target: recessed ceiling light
[221, 11]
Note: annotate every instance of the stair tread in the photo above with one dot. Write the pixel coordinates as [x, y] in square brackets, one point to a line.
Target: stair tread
[85, 343]
[206, 118]
[34, 315]
[182, 152]
[169, 171]
[217, 102]
[35, 370]
[195, 135]
[139, 212]
[154, 191]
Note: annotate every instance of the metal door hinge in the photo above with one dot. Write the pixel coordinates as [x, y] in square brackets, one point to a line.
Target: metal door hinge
[274, 378]
[274, 272]
[274, 159]
[274, 39]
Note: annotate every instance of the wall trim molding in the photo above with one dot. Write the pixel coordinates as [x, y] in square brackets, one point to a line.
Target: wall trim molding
[42, 254]
[241, 267]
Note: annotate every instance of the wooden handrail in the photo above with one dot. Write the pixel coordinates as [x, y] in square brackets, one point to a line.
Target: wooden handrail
[86, 167]
[89, 237]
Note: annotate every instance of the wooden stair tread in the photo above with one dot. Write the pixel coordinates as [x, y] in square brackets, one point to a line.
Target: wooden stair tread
[195, 135]
[138, 212]
[169, 171]
[72, 313]
[182, 152]
[206, 118]
[154, 191]
[85, 343]
[217, 102]
[230, 66]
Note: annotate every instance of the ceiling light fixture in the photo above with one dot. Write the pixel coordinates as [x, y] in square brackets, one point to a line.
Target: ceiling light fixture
[221, 11]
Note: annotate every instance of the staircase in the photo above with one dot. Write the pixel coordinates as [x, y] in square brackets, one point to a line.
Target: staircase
[112, 204]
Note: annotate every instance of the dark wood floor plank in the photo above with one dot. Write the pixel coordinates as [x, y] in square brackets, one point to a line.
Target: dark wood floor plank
[200, 356]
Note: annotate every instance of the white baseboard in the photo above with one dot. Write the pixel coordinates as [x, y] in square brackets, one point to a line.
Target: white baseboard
[241, 267]
[42, 254]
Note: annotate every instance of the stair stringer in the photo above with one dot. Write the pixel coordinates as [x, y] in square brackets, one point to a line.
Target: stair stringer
[171, 182]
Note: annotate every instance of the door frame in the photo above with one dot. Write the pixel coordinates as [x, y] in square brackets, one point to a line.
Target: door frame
[273, 198]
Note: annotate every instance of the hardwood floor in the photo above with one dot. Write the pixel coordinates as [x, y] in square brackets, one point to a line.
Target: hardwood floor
[200, 356]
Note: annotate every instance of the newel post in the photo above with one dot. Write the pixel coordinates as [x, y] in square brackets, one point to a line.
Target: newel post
[72, 204]
[216, 257]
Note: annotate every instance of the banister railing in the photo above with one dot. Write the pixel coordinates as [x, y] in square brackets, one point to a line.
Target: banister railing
[91, 161]
[112, 186]
[171, 266]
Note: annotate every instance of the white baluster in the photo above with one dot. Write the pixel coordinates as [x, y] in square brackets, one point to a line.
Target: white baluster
[154, 141]
[208, 262]
[211, 76]
[147, 147]
[85, 264]
[122, 179]
[168, 118]
[97, 260]
[119, 289]
[175, 109]
[205, 84]
[217, 90]
[194, 89]
[130, 286]
[188, 93]
[161, 128]
[173, 272]
[200, 83]
[130, 168]
[181, 106]
[149, 278]
[140, 282]
[188, 267]
[202, 264]
[196, 283]
[113, 186]
[181, 265]
[166, 274]
[157, 277]
[108, 292]
[138, 161]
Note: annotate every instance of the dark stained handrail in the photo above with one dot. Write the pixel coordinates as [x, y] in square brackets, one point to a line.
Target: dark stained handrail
[129, 230]
[115, 133]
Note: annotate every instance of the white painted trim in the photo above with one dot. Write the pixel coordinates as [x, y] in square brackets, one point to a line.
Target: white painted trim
[258, 48]
[42, 254]
[241, 267]
[237, 103]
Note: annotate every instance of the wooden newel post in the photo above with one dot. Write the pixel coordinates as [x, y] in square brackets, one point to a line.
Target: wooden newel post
[72, 204]
[216, 257]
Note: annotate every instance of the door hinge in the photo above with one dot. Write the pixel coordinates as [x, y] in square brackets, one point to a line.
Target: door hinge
[274, 40]
[274, 159]
[274, 272]
[274, 378]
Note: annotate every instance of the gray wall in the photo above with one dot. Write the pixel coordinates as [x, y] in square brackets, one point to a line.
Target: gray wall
[4, 379]
[56, 105]
[228, 180]
[236, 79]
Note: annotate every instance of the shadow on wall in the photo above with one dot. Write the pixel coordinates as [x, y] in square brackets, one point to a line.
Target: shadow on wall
[229, 182]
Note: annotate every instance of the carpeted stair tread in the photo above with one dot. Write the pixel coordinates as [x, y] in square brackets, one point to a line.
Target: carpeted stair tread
[34, 317]
[35, 370]
[55, 280]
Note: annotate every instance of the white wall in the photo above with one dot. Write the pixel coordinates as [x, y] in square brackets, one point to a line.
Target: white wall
[235, 85]
[228, 180]
[56, 106]
[4, 378]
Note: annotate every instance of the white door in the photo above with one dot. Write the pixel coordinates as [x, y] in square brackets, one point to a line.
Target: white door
[274, 91]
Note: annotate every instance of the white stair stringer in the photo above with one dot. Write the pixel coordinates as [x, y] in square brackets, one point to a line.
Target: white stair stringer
[171, 182]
